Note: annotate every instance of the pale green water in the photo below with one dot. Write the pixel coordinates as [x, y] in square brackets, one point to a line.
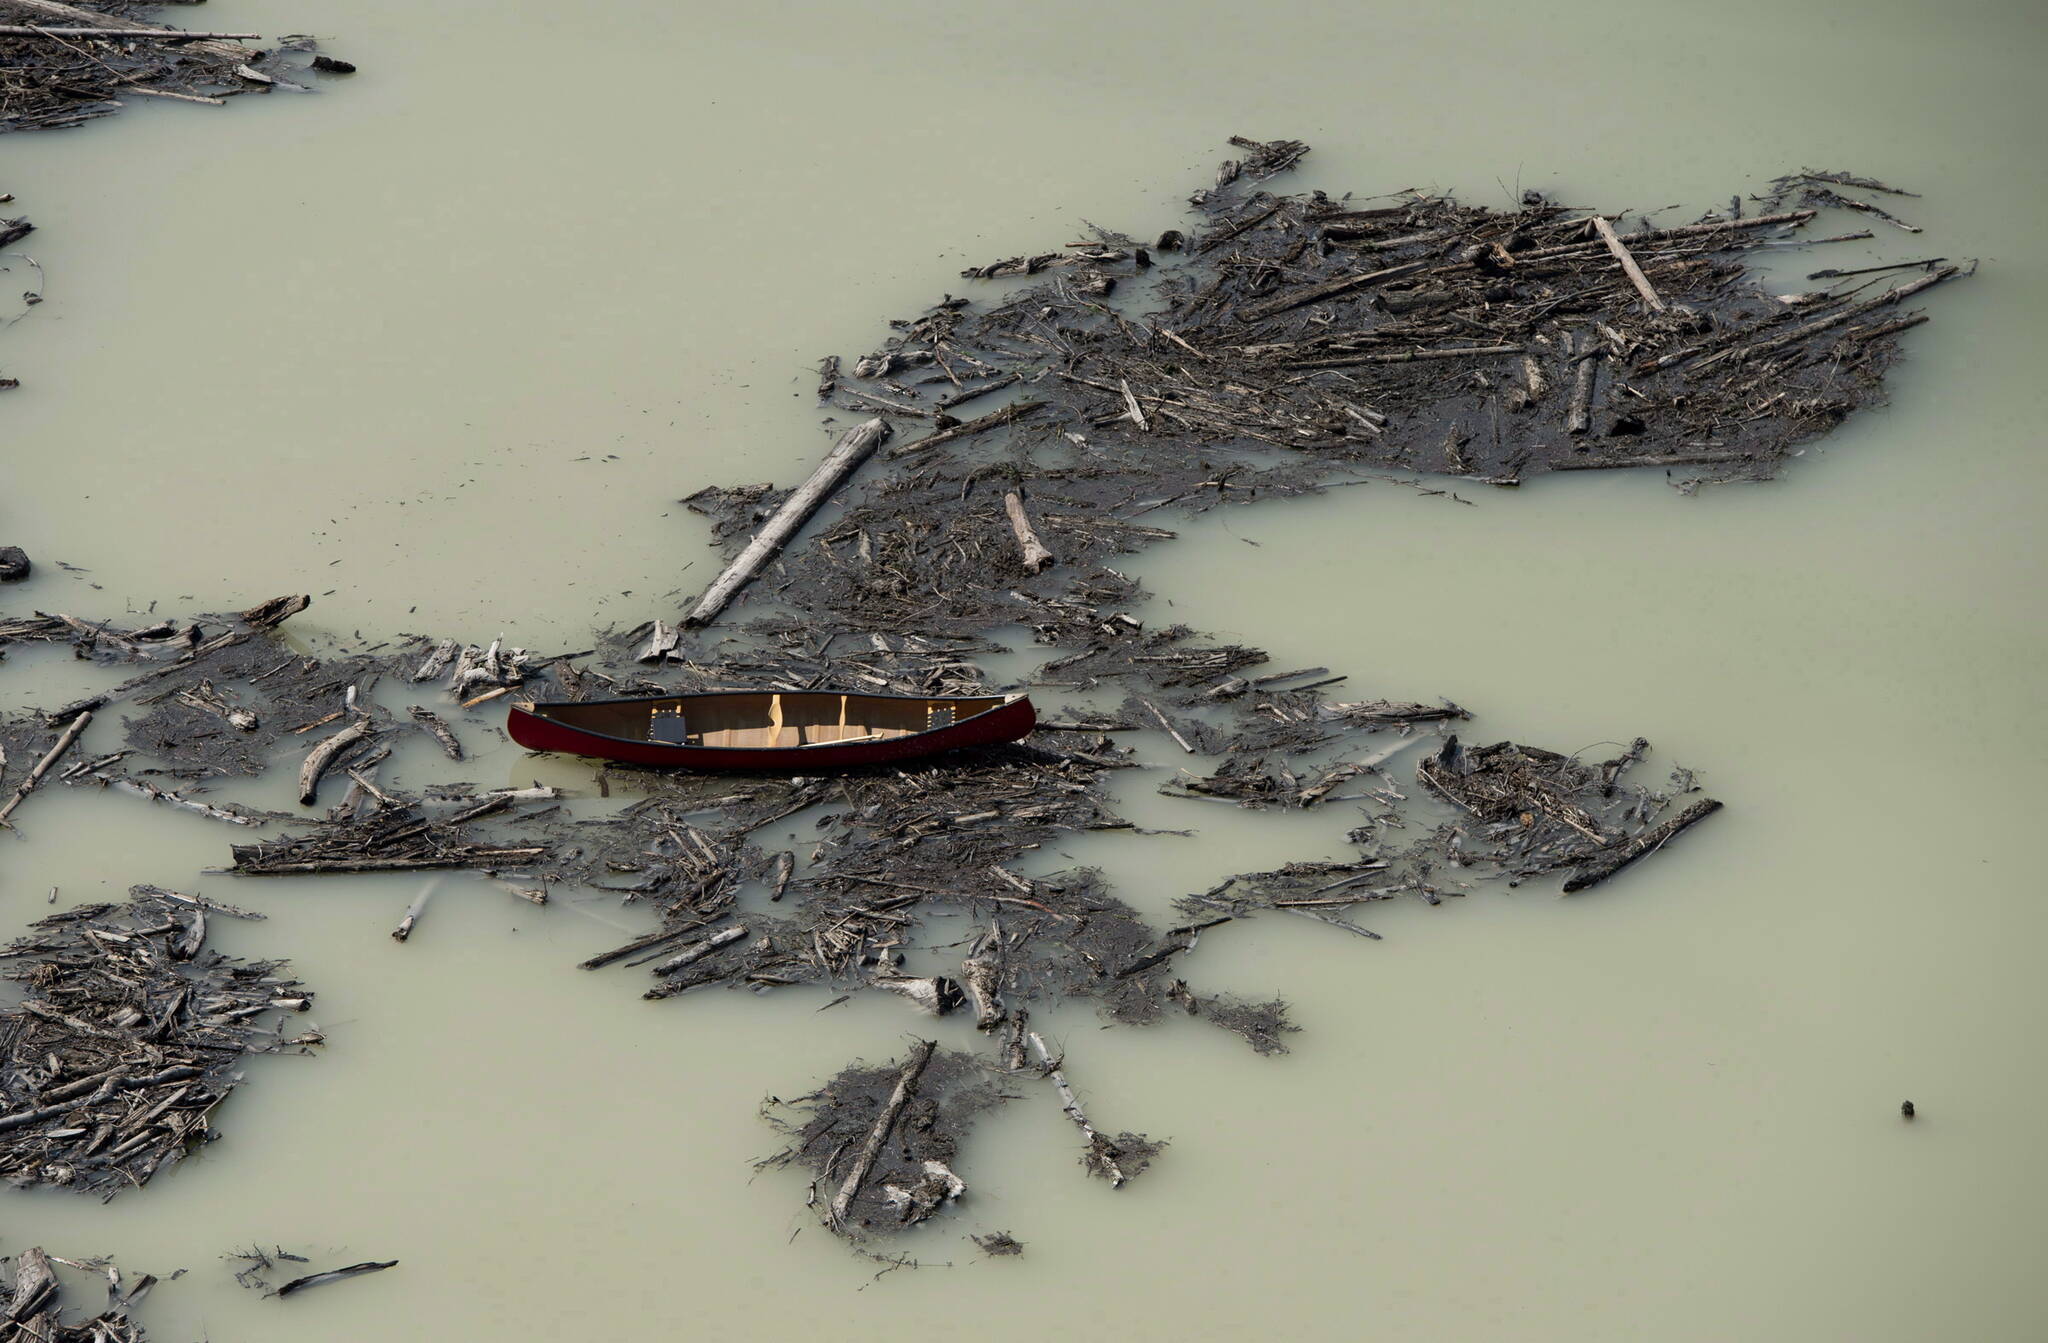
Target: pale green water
[378, 327]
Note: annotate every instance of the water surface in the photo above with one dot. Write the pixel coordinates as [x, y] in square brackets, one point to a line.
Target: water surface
[444, 345]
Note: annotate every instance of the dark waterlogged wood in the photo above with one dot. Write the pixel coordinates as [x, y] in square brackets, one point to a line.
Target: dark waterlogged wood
[1612, 860]
[885, 1119]
[334, 1275]
[995, 419]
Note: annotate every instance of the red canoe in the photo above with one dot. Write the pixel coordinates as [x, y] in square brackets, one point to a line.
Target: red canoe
[768, 732]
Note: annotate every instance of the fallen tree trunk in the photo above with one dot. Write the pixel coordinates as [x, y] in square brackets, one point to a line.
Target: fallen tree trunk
[858, 444]
[864, 1160]
[1606, 863]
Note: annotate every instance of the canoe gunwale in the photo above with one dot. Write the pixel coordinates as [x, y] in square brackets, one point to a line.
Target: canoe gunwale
[1010, 720]
[533, 707]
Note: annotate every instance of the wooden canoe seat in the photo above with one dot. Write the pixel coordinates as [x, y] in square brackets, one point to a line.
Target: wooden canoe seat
[668, 725]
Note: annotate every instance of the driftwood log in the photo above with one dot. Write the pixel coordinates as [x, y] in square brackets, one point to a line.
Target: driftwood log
[322, 756]
[885, 1120]
[1036, 556]
[858, 444]
[42, 766]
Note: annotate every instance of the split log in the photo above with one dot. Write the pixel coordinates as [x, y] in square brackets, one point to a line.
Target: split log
[662, 643]
[437, 661]
[97, 633]
[981, 976]
[852, 449]
[1614, 858]
[442, 733]
[322, 756]
[995, 419]
[885, 1120]
[30, 1312]
[1037, 557]
[42, 767]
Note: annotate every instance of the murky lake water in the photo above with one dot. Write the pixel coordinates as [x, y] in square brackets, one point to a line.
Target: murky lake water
[444, 346]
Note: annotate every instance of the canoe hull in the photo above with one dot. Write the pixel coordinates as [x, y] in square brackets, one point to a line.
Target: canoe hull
[537, 732]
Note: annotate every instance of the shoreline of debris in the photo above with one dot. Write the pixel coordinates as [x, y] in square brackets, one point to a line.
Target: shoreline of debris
[1301, 344]
[62, 65]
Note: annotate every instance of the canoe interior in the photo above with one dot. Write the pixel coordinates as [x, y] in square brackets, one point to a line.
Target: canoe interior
[766, 720]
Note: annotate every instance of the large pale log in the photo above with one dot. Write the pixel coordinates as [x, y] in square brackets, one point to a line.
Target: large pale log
[856, 447]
